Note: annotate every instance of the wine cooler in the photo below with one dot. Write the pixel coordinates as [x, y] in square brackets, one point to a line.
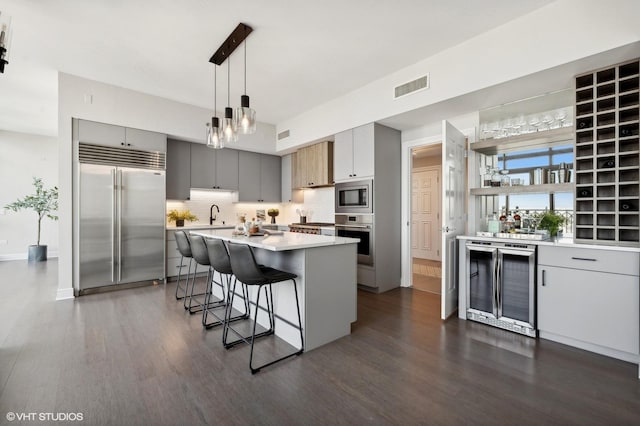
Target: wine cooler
[500, 285]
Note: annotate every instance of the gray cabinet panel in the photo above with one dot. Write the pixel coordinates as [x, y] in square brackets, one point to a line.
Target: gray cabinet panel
[249, 176]
[270, 178]
[148, 141]
[100, 133]
[227, 169]
[203, 166]
[178, 170]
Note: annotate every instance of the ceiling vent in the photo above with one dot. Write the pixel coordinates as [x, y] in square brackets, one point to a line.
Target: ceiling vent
[283, 135]
[416, 85]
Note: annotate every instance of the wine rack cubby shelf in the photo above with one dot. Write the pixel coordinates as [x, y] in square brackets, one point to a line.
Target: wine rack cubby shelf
[607, 155]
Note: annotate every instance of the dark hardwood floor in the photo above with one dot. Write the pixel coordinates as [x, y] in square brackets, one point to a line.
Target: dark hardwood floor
[136, 357]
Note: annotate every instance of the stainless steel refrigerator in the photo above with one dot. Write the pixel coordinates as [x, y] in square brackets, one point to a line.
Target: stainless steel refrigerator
[121, 221]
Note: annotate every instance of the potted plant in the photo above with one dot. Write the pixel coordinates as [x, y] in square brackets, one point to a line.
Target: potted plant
[179, 216]
[552, 222]
[43, 202]
[273, 213]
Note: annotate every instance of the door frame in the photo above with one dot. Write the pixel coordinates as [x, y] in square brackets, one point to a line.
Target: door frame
[439, 208]
[405, 235]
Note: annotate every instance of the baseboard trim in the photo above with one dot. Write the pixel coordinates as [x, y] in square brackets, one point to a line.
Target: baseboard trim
[65, 293]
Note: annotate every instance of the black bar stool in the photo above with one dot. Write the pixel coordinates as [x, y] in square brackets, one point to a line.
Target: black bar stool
[201, 257]
[184, 247]
[249, 273]
[219, 261]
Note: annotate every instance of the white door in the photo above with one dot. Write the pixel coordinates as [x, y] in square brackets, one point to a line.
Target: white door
[425, 214]
[453, 212]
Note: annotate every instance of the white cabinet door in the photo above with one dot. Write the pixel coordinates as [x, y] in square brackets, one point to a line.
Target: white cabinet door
[593, 307]
[343, 156]
[100, 134]
[363, 151]
[146, 141]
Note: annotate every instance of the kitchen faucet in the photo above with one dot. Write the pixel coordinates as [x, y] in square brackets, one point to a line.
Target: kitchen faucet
[212, 218]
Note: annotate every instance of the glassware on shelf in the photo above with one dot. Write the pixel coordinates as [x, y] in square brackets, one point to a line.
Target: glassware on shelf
[495, 178]
[505, 180]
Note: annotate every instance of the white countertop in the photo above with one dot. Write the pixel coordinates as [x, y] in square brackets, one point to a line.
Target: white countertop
[561, 242]
[286, 241]
[198, 226]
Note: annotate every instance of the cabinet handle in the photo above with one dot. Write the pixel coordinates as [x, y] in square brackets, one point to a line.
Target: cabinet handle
[584, 258]
[544, 278]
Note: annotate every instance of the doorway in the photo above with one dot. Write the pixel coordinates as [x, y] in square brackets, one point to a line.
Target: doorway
[426, 238]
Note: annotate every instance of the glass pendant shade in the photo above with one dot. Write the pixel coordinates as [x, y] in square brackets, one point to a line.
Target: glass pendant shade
[229, 128]
[214, 135]
[245, 117]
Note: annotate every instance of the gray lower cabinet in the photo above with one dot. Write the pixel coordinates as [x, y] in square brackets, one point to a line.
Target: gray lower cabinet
[213, 169]
[109, 134]
[178, 170]
[589, 298]
[259, 177]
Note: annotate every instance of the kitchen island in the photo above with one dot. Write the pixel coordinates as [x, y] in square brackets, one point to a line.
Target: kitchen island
[326, 267]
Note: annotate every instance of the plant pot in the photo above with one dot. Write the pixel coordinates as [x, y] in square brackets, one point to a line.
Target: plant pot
[273, 219]
[37, 253]
[179, 222]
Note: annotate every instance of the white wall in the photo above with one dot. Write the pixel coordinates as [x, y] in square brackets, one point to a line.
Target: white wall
[24, 157]
[552, 36]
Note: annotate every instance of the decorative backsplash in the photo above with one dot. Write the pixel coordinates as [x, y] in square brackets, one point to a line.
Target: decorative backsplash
[319, 204]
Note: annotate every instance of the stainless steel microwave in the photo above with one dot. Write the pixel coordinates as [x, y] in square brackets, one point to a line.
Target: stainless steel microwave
[354, 197]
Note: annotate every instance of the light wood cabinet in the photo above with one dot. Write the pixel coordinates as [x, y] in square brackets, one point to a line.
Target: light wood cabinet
[313, 166]
[355, 153]
[584, 303]
[111, 135]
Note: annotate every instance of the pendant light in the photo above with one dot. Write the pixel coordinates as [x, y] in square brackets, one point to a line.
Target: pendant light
[245, 115]
[229, 125]
[214, 134]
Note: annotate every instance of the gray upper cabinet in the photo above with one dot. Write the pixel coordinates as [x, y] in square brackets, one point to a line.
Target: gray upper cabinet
[227, 169]
[249, 177]
[178, 170]
[259, 177]
[213, 169]
[288, 194]
[270, 176]
[108, 134]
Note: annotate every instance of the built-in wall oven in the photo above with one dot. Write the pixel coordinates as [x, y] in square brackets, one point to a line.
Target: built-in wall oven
[358, 226]
[354, 197]
[500, 285]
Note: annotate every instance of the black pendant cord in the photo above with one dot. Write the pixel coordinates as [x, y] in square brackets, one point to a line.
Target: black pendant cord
[245, 67]
[215, 90]
[229, 83]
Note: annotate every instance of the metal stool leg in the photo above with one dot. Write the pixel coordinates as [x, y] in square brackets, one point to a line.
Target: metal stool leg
[178, 287]
[254, 370]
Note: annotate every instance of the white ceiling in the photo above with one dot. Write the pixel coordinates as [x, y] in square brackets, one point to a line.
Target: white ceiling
[301, 54]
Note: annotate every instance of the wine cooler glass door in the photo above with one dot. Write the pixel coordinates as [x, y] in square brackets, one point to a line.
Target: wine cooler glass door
[516, 285]
[481, 280]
